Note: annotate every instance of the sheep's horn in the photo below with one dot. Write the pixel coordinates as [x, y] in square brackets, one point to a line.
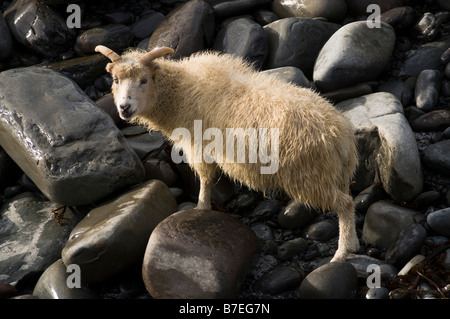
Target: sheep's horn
[110, 54]
[155, 53]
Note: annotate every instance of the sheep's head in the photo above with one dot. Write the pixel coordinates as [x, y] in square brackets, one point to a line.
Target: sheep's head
[133, 81]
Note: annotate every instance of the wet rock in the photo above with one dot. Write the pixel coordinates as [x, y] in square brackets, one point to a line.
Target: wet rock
[230, 8]
[427, 89]
[290, 74]
[296, 215]
[354, 54]
[82, 70]
[437, 120]
[146, 25]
[198, 254]
[35, 25]
[336, 280]
[69, 147]
[113, 237]
[114, 36]
[7, 291]
[141, 140]
[322, 231]
[408, 244]
[439, 221]
[383, 223]
[31, 238]
[397, 163]
[428, 26]
[187, 29]
[5, 39]
[367, 197]
[264, 17]
[53, 284]
[266, 208]
[291, 248]
[278, 280]
[410, 264]
[437, 157]
[332, 10]
[377, 293]
[106, 103]
[426, 57]
[244, 38]
[400, 89]
[399, 18]
[296, 42]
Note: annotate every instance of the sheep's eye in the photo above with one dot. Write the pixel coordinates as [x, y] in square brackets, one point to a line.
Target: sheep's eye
[143, 81]
[116, 80]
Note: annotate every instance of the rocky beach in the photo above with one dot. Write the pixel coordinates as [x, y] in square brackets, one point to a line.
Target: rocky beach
[84, 193]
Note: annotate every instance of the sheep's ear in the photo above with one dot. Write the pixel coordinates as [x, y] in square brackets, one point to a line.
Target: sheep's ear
[110, 54]
[109, 67]
[154, 54]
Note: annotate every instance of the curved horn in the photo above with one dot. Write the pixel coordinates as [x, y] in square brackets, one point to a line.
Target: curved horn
[155, 53]
[110, 54]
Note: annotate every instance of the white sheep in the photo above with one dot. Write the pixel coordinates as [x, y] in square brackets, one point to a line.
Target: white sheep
[316, 144]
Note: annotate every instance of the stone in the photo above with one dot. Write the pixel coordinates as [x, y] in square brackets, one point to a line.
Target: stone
[68, 147]
[428, 26]
[336, 280]
[408, 244]
[348, 92]
[395, 158]
[113, 236]
[7, 291]
[410, 264]
[354, 54]
[114, 36]
[232, 8]
[243, 38]
[436, 120]
[146, 25]
[83, 70]
[198, 254]
[426, 57]
[437, 157]
[322, 231]
[443, 4]
[31, 240]
[278, 280]
[187, 29]
[296, 215]
[35, 25]
[141, 140]
[296, 42]
[377, 293]
[5, 39]
[290, 74]
[266, 208]
[107, 104]
[367, 197]
[291, 248]
[383, 223]
[426, 199]
[439, 221]
[399, 18]
[332, 10]
[400, 89]
[53, 284]
[427, 89]
[264, 17]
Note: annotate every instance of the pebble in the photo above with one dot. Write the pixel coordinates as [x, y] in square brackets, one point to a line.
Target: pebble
[410, 264]
[187, 29]
[295, 215]
[399, 18]
[322, 231]
[245, 38]
[332, 10]
[348, 93]
[436, 120]
[336, 280]
[280, 279]
[198, 254]
[118, 231]
[377, 293]
[443, 4]
[408, 244]
[7, 291]
[439, 221]
[428, 26]
[427, 89]
[296, 42]
[437, 157]
[426, 199]
[399, 89]
[383, 223]
[5, 39]
[266, 208]
[291, 248]
[367, 197]
[146, 25]
[114, 36]
[349, 51]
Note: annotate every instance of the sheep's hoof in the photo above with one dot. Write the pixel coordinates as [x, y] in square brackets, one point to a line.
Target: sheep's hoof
[203, 207]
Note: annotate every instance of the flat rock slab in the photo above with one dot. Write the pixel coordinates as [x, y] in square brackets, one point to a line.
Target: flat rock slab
[69, 147]
[198, 254]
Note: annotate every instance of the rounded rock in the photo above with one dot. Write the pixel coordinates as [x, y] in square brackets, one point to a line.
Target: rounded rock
[114, 36]
[439, 221]
[437, 157]
[296, 215]
[427, 89]
[332, 10]
[377, 293]
[437, 120]
[322, 231]
[336, 280]
[278, 280]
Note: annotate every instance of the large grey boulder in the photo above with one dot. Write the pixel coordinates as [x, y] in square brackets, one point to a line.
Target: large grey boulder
[69, 147]
[394, 158]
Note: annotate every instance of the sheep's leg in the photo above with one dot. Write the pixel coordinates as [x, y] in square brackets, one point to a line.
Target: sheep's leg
[348, 241]
[204, 197]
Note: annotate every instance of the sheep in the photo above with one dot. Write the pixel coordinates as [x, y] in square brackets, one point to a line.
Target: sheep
[316, 143]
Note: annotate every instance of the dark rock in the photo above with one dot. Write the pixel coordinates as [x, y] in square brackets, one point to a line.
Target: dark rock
[399, 89]
[427, 89]
[198, 254]
[367, 197]
[377, 293]
[266, 208]
[290, 74]
[296, 215]
[232, 8]
[113, 237]
[296, 42]
[439, 221]
[5, 39]
[68, 147]
[291, 248]
[399, 18]
[38, 27]
[332, 10]
[244, 38]
[278, 280]
[336, 280]
[114, 36]
[322, 231]
[359, 7]
[187, 29]
[146, 25]
[437, 120]
[437, 157]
